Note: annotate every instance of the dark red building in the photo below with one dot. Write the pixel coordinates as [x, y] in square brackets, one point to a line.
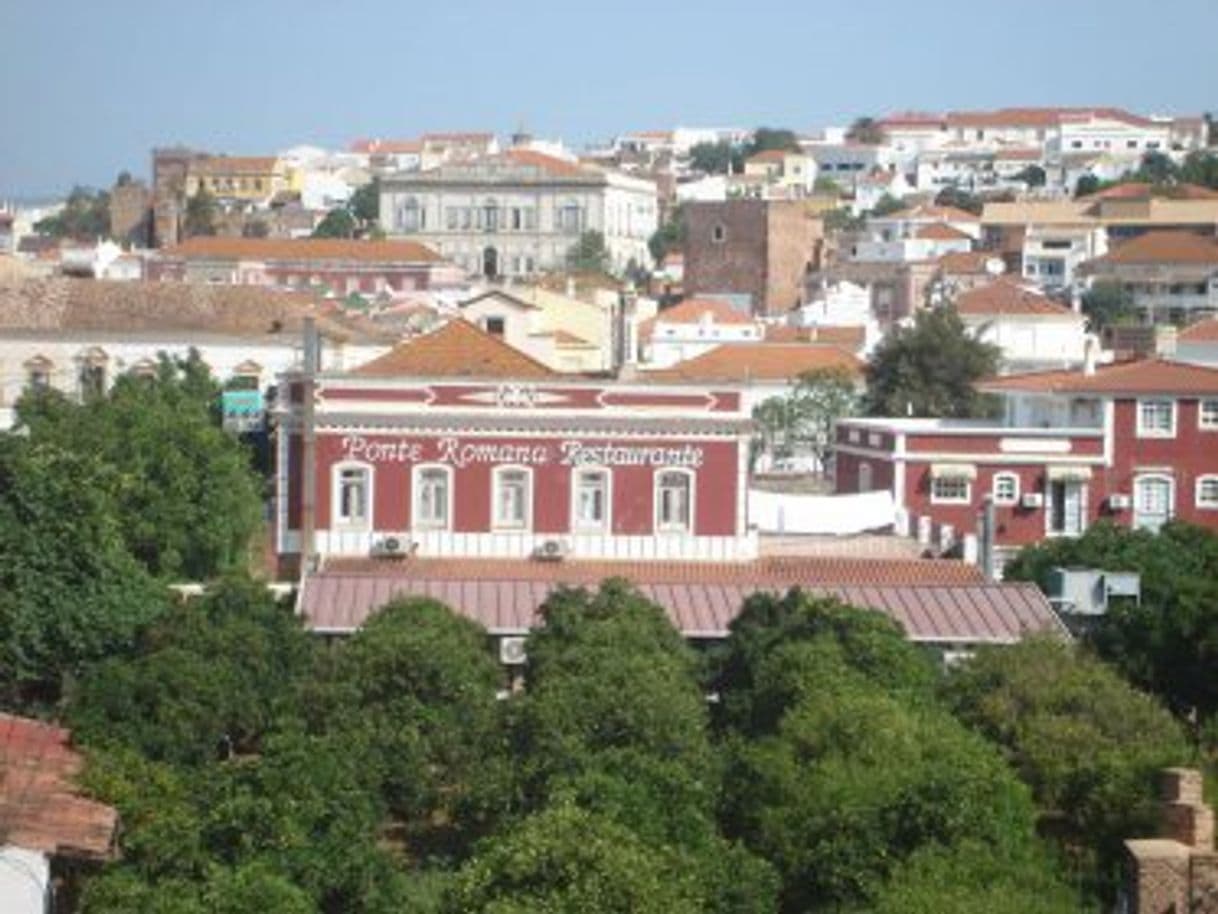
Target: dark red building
[1133, 442]
[455, 444]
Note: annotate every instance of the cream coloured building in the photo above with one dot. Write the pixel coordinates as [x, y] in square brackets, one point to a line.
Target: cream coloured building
[520, 212]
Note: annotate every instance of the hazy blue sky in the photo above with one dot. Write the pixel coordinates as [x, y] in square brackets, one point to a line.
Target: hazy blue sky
[88, 87]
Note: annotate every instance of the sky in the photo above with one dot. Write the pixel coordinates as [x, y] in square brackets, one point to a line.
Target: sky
[88, 87]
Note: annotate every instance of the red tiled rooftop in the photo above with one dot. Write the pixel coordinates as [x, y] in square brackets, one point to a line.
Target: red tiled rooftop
[849, 337]
[549, 164]
[941, 601]
[1142, 376]
[941, 231]
[936, 213]
[1205, 331]
[1165, 247]
[301, 249]
[39, 808]
[968, 262]
[745, 362]
[1008, 297]
[458, 349]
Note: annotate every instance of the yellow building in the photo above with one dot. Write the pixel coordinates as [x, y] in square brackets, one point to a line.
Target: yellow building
[251, 179]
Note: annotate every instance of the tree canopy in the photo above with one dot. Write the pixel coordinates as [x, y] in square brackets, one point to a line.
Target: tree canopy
[201, 214]
[866, 130]
[589, 254]
[804, 418]
[1106, 304]
[85, 216]
[189, 502]
[929, 369]
[960, 199]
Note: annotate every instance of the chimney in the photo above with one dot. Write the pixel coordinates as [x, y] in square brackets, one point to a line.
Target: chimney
[1166, 337]
[1090, 345]
[1186, 818]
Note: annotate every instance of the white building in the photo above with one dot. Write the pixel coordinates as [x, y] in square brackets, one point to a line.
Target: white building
[77, 335]
[842, 304]
[520, 212]
[693, 327]
[1052, 254]
[1034, 332]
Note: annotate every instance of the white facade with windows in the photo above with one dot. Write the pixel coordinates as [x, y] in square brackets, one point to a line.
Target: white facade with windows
[520, 213]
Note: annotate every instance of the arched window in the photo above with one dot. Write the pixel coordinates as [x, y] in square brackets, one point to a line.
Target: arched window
[432, 501]
[674, 501]
[512, 498]
[590, 499]
[352, 496]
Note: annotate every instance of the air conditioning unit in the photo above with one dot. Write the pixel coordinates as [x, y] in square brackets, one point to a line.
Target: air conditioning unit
[551, 551]
[512, 652]
[1032, 500]
[1118, 502]
[391, 547]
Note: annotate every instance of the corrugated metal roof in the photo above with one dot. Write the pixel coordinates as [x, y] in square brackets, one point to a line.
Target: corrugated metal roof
[503, 596]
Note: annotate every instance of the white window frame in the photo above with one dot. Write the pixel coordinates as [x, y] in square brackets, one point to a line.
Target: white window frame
[1145, 431]
[1203, 504]
[605, 524]
[1171, 493]
[936, 499]
[1204, 424]
[497, 522]
[691, 505]
[337, 520]
[417, 520]
[1013, 499]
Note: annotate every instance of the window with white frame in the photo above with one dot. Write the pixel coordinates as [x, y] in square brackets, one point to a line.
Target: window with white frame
[1156, 418]
[591, 499]
[513, 499]
[353, 496]
[1154, 497]
[1207, 415]
[1006, 488]
[950, 490]
[674, 501]
[1207, 492]
[432, 497]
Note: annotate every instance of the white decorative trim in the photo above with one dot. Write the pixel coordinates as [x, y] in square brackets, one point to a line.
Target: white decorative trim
[530, 496]
[999, 500]
[416, 489]
[1171, 493]
[1202, 425]
[692, 483]
[1198, 502]
[336, 470]
[606, 524]
[1142, 431]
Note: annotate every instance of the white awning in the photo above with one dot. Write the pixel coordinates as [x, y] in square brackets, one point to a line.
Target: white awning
[953, 471]
[1068, 473]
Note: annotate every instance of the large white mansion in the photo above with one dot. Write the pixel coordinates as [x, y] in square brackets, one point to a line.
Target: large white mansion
[520, 212]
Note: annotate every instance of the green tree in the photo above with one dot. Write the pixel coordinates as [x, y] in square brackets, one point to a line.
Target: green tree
[716, 158]
[70, 592]
[960, 199]
[568, 860]
[1156, 168]
[215, 676]
[85, 216]
[866, 130]
[589, 255]
[201, 214]
[929, 369]
[1086, 185]
[886, 205]
[765, 139]
[1167, 641]
[826, 185]
[1088, 744]
[417, 684]
[365, 204]
[670, 236]
[338, 223]
[1200, 168]
[842, 220]
[1107, 303]
[819, 398]
[1032, 175]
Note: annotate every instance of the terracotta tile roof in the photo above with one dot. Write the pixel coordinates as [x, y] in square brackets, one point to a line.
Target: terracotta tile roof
[1138, 190]
[941, 231]
[214, 247]
[850, 337]
[39, 807]
[966, 262]
[928, 212]
[458, 349]
[744, 362]
[1164, 247]
[939, 601]
[771, 155]
[547, 163]
[387, 147]
[99, 305]
[1205, 331]
[225, 165]
[1019, 155]
[693, 310]
[1142, 376]
[564, 338]
[1008, 297]
[457, 137]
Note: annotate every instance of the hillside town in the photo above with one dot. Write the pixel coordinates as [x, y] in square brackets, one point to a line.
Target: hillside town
[752, 519]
